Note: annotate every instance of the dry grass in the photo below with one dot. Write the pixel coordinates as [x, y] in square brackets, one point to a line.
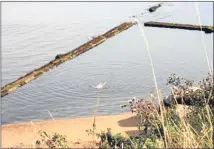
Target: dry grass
[186, 136]
[182, 128]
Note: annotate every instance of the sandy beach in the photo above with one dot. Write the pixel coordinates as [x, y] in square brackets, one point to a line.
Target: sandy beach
[25, 134]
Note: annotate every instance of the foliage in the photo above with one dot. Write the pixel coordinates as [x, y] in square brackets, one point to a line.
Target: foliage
[196, 93]
[110, 141]
[52, 141]
[192, 128]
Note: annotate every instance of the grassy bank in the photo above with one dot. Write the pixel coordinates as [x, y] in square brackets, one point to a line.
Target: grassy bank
[187, 121]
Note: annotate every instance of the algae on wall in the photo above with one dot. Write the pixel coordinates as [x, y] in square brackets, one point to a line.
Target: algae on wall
[206, 29]
[59, 59]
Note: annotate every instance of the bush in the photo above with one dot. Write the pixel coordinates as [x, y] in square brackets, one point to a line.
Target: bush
[171, 130]
[52, 141]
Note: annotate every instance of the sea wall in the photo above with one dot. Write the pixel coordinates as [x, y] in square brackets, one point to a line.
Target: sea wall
[61, 58]
[206, 29]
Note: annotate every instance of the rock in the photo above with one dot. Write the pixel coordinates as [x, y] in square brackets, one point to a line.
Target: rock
[168, 101]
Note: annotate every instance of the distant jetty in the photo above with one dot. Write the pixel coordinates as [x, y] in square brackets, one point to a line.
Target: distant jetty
[61, 58]
[206, 29]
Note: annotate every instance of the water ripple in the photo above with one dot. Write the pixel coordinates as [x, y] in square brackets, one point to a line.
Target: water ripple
[121, 61]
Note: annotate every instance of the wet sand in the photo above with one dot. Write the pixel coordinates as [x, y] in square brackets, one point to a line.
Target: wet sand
[25, 134]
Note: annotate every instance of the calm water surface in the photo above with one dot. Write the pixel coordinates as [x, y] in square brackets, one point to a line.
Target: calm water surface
[34, 33]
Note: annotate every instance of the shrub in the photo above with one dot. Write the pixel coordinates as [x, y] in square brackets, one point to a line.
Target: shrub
[52, 141]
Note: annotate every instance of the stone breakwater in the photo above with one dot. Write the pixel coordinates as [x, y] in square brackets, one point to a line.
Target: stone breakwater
[61, 58]
[206, 29]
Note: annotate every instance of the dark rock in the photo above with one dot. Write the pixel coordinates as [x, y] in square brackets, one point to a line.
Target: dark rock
[168, 101]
